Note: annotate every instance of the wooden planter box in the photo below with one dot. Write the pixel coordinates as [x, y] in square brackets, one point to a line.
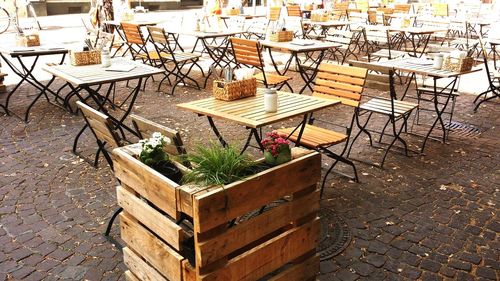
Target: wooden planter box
[280, 242]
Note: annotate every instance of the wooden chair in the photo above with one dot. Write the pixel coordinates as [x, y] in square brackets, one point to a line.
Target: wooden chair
[176, 60]
[103, 130]
[296, 25]
[248, 52]
[380, 44]
[145, 129]
[343, 83]
[340, 10]
[274, 13]
[293, 11]
[382, 79]
[138, 45]
[348, 40]
[440, 10]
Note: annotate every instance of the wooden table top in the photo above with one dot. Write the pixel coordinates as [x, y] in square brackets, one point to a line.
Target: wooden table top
[420, 66]
[136, 22]
[293, 46]
[96, 74]
[250, 112]
[201, 34]
[42, 50]
[246, 16]
[424, 30]
[329, 23]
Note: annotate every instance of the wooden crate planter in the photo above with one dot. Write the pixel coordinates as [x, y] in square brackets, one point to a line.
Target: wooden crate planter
[279, 243]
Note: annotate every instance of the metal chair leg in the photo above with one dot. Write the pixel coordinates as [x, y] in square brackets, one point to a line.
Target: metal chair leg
[111, 220]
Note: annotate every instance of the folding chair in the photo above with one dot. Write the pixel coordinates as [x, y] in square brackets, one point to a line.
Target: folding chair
[248, 52]
[493, 80]
[138, 44]
[380, 44]
[343, 83]
[103, 130]
[348, 40]
[295, 24]
[177, 60]
[382, 79]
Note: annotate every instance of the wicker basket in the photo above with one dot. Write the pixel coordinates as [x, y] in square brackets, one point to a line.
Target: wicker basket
[281, 36]
[231, 12]
[32, 40]
[234, 90]
[458, 65]
[85, 57]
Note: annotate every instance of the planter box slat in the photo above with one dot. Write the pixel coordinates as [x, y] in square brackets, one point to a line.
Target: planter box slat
[226, 203]
[129, 276]
[139, 268]
[305, 270]
[165, 259]
[152, 186]
[253, 229]
[270, 255]
[164, 227]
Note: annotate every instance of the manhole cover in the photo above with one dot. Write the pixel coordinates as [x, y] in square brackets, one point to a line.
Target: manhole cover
[458, 129]
[335, 234]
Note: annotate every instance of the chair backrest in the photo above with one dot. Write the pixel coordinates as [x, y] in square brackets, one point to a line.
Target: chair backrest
[356, 18]
[236, 23]
[341, 82]
[247, 52]
[293, 11]
[377, 77]
[274, 13]
[402, 8]
[295, 24]
[105, 40]
[378, 35]
[362, 5]
[440, 9]
[145, 129]
[340, 9]
[100, 125]
[343, 37]
[133, 33]
[258, 27]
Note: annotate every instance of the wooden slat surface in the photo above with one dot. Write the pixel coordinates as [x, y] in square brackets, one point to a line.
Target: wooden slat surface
[250, 111]
[411, 65]
[317, 46]
[96, 74]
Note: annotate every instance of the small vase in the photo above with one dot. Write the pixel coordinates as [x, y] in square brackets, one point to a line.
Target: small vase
[284, 156]
[169, 170]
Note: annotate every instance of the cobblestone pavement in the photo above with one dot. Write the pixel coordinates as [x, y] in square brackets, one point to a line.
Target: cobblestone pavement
[428, 217]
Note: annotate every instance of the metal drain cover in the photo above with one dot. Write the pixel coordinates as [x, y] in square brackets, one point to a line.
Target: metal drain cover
[335, 235]
[463, 130]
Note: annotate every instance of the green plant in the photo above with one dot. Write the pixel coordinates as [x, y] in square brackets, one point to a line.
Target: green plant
[217, 165]
[152, 153]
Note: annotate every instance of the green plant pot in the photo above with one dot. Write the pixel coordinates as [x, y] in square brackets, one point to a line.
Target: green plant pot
[284, 156]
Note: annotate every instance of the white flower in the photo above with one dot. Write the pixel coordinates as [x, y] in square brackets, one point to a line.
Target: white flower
[142, 141]
[157, 135]
[154, 142]
[167, 140]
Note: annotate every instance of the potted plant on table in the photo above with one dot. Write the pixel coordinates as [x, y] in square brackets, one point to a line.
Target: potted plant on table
[277, 149]
[154, 155]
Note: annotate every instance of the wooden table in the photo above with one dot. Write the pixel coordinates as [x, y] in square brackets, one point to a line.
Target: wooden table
[216, 52]
[249, 112]
[81, 78]
[417, 66]
[294, 49]
[25, 72]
